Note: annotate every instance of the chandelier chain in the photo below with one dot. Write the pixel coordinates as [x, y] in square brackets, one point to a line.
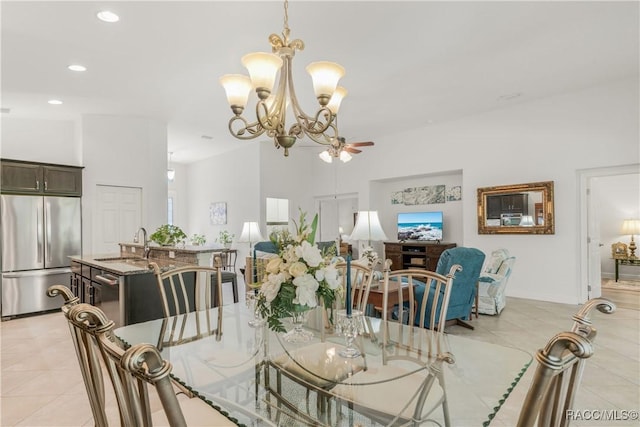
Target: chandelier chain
[286, 15]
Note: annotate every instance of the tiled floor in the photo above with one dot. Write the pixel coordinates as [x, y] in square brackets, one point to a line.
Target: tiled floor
[42, 386]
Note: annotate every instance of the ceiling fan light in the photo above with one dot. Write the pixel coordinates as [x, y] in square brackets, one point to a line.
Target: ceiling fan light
[237, 88]
[325, 76]
[336, 99]
[263, 68]
[344, 156]
[325, 156]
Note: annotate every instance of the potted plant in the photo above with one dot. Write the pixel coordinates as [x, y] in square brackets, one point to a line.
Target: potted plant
[198, 240]
[168, 235]
[225, 238]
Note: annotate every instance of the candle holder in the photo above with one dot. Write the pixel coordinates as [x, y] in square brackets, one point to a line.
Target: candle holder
[350, 326]
[252, 303]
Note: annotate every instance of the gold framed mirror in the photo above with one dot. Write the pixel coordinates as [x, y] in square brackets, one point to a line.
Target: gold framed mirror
[516, 209]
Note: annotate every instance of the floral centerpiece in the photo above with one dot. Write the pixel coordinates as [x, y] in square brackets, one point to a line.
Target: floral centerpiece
[298, 279]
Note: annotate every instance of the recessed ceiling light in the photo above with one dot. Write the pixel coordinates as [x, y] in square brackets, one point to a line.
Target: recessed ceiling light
[107, 16]
[77, 67]
[54, 102]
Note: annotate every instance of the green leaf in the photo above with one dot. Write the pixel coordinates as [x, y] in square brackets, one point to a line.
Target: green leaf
[314, 226]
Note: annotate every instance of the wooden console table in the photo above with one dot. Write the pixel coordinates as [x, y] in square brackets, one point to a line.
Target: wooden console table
[625, 261]
[413, 254]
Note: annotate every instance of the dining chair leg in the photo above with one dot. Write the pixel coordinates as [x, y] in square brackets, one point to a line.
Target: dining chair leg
[234, 284]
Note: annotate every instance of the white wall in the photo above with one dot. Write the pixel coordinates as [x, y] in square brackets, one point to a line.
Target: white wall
[233, 178]
[542, 140]
[128, 152]
[46, 141]
[617, 198]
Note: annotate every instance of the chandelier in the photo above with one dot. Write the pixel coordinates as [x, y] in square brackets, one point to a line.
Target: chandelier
[272, 107]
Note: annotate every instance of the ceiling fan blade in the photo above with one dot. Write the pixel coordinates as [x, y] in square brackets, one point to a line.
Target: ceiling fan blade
[352, 150]
[361, 144]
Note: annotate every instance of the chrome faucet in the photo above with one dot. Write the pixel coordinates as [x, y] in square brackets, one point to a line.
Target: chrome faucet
[145, 242]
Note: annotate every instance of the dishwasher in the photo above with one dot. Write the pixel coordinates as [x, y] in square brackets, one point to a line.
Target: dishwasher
[106, 296]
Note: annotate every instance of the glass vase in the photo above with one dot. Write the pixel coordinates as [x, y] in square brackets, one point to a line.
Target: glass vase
[252, 304]
[350, 326]
[298, 333]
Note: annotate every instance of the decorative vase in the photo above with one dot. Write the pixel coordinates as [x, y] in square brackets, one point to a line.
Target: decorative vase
[298, 333]
[350, 326]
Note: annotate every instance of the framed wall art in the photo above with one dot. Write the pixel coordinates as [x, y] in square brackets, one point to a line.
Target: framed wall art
[218, 213]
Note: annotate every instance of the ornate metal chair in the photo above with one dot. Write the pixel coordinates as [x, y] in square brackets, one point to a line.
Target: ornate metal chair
[423, 391]
[183, 289]
[559, 372]
[228, 259]
[131, 372]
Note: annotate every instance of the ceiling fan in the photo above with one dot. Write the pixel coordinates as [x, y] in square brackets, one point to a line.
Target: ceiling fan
[342, 150]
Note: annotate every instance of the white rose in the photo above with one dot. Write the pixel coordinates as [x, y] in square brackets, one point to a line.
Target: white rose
[306, 287]
[274, 266]
[271, 287]
[330, 275]
[310, 253]
[297, 269]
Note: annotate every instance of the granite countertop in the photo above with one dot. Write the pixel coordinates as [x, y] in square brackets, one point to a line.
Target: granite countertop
[185, 248]
[119, 265]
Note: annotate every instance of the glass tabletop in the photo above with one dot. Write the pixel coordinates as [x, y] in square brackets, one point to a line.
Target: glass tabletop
[259, 378]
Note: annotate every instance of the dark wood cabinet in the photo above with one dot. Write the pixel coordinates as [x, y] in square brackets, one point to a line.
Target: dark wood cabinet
[415, 254]
[507, 204]
[20, 177]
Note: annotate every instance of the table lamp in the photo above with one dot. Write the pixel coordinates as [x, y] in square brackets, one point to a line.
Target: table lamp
[631, 226]
[251, 233]
[368, 228]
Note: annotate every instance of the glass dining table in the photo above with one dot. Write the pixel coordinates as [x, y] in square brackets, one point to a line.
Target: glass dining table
[260, 378]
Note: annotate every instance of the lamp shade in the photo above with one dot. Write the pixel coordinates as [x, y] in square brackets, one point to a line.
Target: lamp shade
[237, 87]
[630, 226]
[368, 227]
[250, 233]
[344, 156]
[336, 99]
[325, 76]
[263, 68]
[325, 156]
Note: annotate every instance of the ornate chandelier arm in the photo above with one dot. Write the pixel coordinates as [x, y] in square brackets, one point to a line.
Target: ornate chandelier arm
[246, 130]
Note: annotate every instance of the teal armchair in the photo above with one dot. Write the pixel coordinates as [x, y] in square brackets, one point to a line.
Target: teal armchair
[463, 291]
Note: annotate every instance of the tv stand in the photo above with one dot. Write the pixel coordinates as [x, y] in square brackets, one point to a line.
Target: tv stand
[415, 254]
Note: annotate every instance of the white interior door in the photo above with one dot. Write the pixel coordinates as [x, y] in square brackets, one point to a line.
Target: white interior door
[118, 216]
[593, 244]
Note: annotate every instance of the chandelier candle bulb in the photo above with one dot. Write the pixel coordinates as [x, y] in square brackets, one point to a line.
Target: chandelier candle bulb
[348, 296]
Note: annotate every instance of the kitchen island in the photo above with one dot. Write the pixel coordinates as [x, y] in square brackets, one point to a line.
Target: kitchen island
[124, 288]
[124, 285]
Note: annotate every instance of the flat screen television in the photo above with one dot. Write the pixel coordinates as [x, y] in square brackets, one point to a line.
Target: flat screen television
[420, 226]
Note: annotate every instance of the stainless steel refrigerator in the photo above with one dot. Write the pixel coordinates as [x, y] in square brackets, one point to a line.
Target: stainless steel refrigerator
[39, 233]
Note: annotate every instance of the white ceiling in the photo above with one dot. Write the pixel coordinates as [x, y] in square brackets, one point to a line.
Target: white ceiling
[408, 63]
